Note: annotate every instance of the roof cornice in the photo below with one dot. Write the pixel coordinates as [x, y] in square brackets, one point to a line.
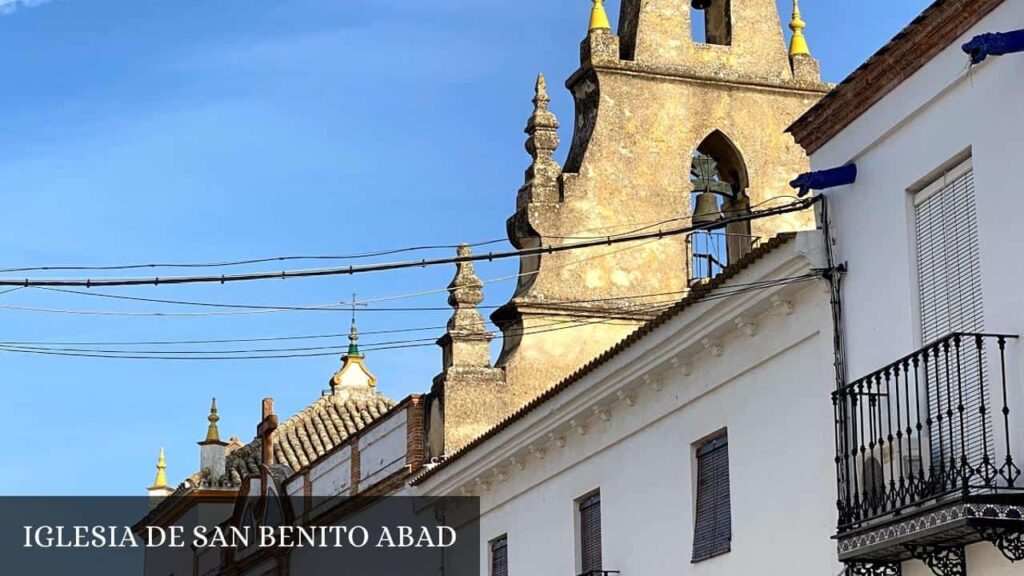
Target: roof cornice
[909, 51]
[598, 385]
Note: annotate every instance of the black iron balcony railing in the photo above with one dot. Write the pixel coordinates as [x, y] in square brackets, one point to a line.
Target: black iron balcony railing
[932, 424]
[710, 252]
[600, 573]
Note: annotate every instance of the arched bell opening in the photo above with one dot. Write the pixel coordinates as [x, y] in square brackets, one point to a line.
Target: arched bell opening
[711, 21]
[719, 182]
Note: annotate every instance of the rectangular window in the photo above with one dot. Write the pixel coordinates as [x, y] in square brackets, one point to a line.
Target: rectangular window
[948, 260]
[590, 533]
[949, 291]
[712, 533]
[499, 556]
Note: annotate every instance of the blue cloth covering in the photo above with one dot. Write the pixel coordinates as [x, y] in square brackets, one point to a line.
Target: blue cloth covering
[824, 179]
[994, 44]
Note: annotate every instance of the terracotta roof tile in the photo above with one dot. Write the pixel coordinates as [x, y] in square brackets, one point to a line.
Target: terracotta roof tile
[310, 434]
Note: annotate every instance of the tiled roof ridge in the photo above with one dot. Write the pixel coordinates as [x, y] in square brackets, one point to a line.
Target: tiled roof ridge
[310, 433]
[908, 51]
[695, 295]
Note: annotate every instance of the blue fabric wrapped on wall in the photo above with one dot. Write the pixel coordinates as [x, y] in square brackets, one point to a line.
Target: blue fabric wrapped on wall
[823, 179]
[994, 44]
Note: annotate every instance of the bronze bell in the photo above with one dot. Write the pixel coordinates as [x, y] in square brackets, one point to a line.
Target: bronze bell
[706, 211]
[701, 4]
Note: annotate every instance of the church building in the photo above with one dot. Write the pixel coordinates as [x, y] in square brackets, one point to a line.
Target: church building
[659, 406]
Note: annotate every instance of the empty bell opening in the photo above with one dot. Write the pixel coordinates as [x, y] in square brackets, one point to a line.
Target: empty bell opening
[702, 4]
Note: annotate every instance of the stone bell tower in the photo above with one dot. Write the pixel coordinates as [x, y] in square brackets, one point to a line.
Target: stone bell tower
[648, 99]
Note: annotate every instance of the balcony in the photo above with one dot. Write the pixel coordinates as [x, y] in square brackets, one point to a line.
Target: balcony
[927, 460]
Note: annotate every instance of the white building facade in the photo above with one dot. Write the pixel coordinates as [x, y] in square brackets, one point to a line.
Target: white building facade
[739, 374]
[930, 424]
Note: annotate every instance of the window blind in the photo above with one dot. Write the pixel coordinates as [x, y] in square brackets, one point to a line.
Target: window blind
[712, 533]
[949, 289]
[499, 556]
[590, 533]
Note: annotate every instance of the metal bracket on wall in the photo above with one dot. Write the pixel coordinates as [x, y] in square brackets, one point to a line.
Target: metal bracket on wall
[874, 569]
[943, 561]
[1009, 541]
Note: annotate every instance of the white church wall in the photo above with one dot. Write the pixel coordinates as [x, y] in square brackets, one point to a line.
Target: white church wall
[383, 449]
[778, 420]
[766, 381]
[332, 476]
[935, 118]
[940, 116]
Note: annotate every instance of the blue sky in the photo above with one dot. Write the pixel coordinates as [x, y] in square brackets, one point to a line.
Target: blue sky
[201, 131]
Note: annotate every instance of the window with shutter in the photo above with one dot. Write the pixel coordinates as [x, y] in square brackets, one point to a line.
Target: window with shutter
[712, 534]
[949, 289]
[499, 556]
[590, 533]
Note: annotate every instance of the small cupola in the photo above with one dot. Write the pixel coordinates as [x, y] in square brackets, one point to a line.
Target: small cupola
[353, 379]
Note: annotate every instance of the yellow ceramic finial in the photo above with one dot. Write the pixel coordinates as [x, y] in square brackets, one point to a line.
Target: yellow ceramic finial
[161, 472]
[798, 45]
[212, 434]
[599, 18]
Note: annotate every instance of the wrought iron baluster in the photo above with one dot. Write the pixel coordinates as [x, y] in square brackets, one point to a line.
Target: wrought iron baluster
[986, 470]
[1010, 472]
[934, 414]
[901, 490]
[893, 494]
[856, 423]
[965, 467]
[866, 498]
[876, 496]
[919, 426]
[950, 480]
[840, 477]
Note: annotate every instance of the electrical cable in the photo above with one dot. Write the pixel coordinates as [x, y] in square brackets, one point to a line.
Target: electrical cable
[301, 352]
[263, 309]
[248, 262]
[352, 270]
[389, 252]
[334, 308]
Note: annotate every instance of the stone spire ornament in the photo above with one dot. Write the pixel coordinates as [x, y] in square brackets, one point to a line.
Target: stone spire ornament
[798, 44]
[353, 379]
[599, 17]
[160, 489]
[161, 471]
[466, 329]
[470, 389]
[212, 451]
[541, 142]
[805, 67]
[353, 339]
[212, 434]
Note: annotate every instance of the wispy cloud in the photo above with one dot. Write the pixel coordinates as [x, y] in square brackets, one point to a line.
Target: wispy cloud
[12, 6]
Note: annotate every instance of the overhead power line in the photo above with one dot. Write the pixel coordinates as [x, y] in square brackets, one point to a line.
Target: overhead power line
[556, 303]
[250, 309]
[58, 349]
[230, 263]
[268, 309]
[286, 353]
[363, 269]
[643, 226]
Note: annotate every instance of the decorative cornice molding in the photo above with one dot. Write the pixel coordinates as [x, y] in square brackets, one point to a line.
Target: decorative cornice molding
[909, 51]
[642, 364]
